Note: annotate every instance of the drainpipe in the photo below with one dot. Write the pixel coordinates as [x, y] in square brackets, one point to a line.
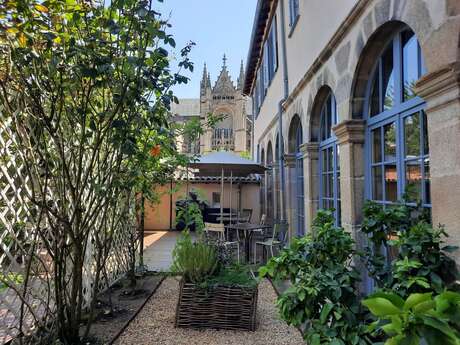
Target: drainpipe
[280, 115]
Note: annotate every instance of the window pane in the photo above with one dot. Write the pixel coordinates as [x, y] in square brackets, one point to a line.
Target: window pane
[337, 150]
[389, 132]
[388, 78]
[413, 188]
[410, 64]
[330, 160]
[339, 213]
[324, 183]
[329, 117]
[412, 135]
[338, 186]
[391, 182]
[323, 124]
[376, 145]
[426, 147]
[374, 102]
[324, 160]
[377, 193]
[427, 181]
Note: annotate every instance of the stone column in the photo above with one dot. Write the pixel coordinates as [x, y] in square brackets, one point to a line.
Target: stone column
[441, 91]
[310, 153]
[289, 166]
[350, 137]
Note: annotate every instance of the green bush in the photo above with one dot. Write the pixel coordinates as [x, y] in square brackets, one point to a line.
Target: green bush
[232, 276]
[191, 215]
[406, 322]
[323, 298]
[195, 261]
[420, 262]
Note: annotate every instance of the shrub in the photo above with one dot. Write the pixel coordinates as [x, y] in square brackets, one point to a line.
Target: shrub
[195, 261]
[436, 320]
[322, 299]
[406, 253]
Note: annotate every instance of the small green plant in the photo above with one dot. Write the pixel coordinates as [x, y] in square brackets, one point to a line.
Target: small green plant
[191, 215]
[233, 275]
[9, 279]
[323, 298]
[420, 316]
[195, 261]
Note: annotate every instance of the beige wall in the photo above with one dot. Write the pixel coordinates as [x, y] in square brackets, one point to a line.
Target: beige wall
[157, 216]
[339, 55]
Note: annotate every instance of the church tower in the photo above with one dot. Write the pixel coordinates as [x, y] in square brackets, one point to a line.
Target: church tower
[225, 100]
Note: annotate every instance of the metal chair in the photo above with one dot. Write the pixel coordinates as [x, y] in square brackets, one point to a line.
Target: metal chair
[277, 240]
[246, 213]
[218, 230]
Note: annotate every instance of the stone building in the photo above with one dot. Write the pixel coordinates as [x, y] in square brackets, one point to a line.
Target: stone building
[225, 100]
[357, 100]
[232, 133]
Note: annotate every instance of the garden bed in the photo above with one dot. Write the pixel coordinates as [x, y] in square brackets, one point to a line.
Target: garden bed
[218, 307]
[126, 304]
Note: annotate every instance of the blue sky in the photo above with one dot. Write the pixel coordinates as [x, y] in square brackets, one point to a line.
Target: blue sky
[217, 27]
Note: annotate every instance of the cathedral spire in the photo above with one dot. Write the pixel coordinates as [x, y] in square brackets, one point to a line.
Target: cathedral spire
[205, 80]
[224, 60]
[241, 77]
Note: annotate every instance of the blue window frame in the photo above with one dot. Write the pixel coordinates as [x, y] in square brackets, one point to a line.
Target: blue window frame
[293, 12]
[277, 177]
[300, 197]
[270, 177]
[398, 163]
[329, 167]
[262, 185]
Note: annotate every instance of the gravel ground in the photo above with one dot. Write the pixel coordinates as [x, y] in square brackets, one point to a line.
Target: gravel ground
[155, 324]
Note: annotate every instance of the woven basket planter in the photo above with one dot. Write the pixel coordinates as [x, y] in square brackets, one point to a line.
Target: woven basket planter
[219, 307]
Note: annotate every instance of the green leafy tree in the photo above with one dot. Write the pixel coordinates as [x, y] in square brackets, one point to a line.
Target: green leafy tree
[85, 92]
[322, 298]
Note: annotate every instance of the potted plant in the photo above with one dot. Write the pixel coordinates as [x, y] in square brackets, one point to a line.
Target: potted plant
[213, 293]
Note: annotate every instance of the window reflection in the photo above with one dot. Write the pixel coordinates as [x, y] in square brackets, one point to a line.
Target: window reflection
[410, 65]
[391, 183]
[388, 78]
[413, 189]
[412, 135]
[389, 134]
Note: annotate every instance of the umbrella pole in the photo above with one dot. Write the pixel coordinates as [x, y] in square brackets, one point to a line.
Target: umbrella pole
[222, 197]
[231, 191]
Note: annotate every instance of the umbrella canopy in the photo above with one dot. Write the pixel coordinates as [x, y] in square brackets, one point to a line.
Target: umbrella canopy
[212, 164]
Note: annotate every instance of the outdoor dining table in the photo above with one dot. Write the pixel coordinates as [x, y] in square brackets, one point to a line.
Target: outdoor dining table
[248, 229]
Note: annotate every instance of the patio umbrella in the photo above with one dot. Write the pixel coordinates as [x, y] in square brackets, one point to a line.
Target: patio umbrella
[216, 163]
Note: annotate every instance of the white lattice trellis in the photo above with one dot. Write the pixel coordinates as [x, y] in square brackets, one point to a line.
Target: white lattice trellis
[28, 306]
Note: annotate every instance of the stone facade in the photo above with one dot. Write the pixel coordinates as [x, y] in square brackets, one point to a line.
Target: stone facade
[341, 59]
[225, 100]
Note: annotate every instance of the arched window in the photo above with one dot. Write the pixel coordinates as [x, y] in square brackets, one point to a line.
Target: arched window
[329, 167]
[397, 140]
[277, 177]
[269, 175]
[295, 142]
[262, 185]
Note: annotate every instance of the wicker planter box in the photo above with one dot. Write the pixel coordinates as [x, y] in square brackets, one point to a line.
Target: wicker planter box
[221, 307]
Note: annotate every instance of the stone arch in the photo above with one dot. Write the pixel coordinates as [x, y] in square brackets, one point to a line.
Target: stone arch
[262, 156]
[367, 61]
[270, 158]
[292, 133]
[315, 113]
[228, 122]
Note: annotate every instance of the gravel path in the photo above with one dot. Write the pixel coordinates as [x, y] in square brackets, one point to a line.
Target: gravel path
[155, 324]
